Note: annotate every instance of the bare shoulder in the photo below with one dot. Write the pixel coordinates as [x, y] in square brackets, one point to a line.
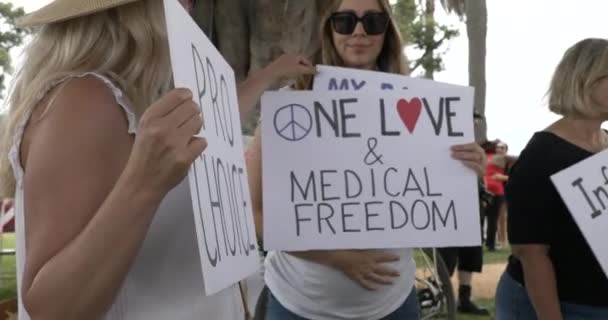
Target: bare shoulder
[82, 98]
[77, 111]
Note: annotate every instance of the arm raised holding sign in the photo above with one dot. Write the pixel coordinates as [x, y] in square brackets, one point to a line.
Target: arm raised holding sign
[286, 67]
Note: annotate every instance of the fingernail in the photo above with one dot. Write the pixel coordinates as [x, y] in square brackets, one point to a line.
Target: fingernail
[185, 93]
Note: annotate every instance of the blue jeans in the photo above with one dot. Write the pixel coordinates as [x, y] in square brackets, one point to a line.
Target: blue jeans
[513, 303]
[408, 310]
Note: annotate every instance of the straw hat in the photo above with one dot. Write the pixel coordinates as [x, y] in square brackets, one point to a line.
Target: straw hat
[61, 10]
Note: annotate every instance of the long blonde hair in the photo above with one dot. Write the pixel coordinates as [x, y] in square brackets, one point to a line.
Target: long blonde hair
[392, 59]
[127, 43]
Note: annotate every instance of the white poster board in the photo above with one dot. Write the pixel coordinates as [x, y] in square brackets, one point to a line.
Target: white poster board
[584, 189]
[368, 169]
[331, 78]
[218, 179]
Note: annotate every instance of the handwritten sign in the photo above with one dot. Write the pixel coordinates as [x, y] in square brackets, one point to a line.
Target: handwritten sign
[584, 189]
[331, 78]
[368, 169]
[218, 180]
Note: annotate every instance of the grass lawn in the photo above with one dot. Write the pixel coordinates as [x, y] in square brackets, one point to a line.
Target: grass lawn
[499, 256]
[8, 279]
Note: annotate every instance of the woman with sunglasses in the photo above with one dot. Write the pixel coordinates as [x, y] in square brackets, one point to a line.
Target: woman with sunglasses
[346, 284]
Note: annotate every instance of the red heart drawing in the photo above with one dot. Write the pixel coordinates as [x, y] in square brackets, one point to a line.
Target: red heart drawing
[409, 112]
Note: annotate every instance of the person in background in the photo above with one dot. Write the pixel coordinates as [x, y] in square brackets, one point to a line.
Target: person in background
[552, 273]
[469, 260]
[494, 182]
[502, 150]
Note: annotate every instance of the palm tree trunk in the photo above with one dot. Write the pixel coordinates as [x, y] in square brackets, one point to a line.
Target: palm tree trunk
[429, 17]
[477, 25]
[226, 23]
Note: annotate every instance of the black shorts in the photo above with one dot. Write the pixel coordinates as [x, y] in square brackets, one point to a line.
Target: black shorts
[469, 259]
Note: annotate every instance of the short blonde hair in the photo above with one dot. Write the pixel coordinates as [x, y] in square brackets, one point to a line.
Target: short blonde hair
[126, 43]
[581, 67]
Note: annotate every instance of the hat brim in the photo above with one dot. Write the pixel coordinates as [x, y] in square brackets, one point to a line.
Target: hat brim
[59, 10]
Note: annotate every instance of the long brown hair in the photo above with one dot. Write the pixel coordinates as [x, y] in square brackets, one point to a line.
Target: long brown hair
[392, 59]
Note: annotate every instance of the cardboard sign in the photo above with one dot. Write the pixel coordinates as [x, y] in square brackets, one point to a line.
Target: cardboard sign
[584, 189]
[218, 179]
[369, 169]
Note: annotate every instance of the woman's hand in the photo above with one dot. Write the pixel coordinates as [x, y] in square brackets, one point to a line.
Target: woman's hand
[289, 66]
[165, 145]
[366, 267]
[286, 67]
[472, 156]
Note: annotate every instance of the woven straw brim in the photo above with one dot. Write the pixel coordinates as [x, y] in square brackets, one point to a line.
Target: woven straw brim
[61, 10]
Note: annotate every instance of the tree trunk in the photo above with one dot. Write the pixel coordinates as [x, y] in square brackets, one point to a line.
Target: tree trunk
[226, 23]
[429, 25]
[251, 34]
[477, 25]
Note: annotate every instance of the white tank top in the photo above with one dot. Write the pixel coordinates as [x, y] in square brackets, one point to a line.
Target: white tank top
[166, 280]
[318, 292]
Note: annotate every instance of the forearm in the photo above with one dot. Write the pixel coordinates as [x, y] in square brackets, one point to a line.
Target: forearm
[85, 276]
[501, 177]
[539, 276]
[254, 174]
[250, 91]
[258, 220]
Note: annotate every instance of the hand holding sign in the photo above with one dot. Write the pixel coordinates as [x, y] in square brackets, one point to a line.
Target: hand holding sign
[164, 147]
[472, 156]
[289, 66]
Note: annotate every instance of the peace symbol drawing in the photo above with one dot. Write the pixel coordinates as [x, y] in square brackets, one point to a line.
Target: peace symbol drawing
[292, 122]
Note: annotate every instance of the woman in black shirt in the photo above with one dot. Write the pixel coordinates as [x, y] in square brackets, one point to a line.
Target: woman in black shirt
[553, 274]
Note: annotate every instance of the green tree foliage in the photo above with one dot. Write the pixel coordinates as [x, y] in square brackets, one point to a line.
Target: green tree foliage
[10, 37]
[418, 26]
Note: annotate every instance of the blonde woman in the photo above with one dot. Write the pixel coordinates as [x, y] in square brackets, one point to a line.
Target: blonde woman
[99, 148]
[347, 284]
[553, 273]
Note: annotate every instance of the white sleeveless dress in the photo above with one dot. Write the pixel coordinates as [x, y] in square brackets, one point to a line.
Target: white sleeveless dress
[165, 281]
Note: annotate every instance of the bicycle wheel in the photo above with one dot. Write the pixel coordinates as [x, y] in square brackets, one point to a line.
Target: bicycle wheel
[433, 285]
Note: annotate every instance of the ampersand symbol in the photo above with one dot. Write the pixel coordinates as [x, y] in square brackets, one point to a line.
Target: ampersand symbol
[371, 158]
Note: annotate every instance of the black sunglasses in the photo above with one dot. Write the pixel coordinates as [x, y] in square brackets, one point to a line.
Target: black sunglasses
[374, 23]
